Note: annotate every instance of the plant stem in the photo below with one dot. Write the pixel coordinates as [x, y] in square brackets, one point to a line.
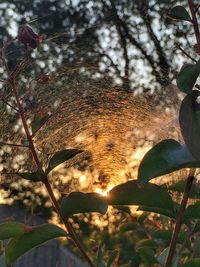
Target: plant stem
[194, 21]
[179, 219]
[68, 226]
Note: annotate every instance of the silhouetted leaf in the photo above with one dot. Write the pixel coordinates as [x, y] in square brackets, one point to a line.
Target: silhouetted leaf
[21, 244]
[130, 226]
[78, 202]
[11, 229]
[192, 212]
[187, 77]
[171, 213]
[165, 157]
[132, 193]
[62, 156]
[179, 13]
[37, 176]
[189, 118]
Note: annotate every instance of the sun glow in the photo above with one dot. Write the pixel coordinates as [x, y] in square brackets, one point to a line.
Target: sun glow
[104, 192]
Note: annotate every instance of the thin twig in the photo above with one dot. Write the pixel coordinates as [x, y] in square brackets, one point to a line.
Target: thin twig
[8, 104]
[178, 46]
[11, 144]
[180, 216]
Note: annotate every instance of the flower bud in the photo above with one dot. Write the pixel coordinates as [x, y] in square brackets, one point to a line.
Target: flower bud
[28, 37]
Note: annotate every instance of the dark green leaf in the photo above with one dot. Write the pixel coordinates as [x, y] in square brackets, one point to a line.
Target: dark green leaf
[147, 256]
[100, 260]
[130, 226]
[21, 244]
[187, 77]
[179, 13]
[78, 202]
[37, 176]
[132, 193]
[146, 243]
[189, 118]
[11, 229]
[171, 213]
[37, 122]
[112, 258]
[167, 234]
[62, 156]
[192, 212]
[192, 263]
[165, 157]
[179, 187]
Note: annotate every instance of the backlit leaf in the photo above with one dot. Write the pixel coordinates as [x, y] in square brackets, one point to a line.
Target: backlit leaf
[165, 157]
[19, 245]
[11, 229]
[78, 202]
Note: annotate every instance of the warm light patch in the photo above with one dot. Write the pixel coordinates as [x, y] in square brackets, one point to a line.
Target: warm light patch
[104, 192]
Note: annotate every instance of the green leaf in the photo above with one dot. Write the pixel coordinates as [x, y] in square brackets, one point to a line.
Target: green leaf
[2, 261]
[112, 258]
[171, 213]
[165, 157]
[130, 226]
[187, 77]
[192, 263]
[132, 193]
[11, 229]
[179, 187]
[192, 212]
[37, 176]
[189, 118]
[100, 260]
[163, 257]
[37, 122]
[78, 202]
[21, 244]
[179, 13]
[167, 234]
[147, 256]
[146, 243]
[62, 156]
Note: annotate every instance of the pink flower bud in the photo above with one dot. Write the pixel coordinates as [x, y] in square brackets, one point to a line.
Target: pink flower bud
[28, 37]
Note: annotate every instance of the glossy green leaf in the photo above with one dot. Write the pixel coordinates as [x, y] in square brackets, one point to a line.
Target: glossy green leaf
[37, 122]
[133, 193]
[192, 263]
[62, 156]
[165, 157]
[179, 13]
[100, 259]
[11, 229]
[167, 234]
[112, 258]
[147, 256]
[37, 176]
[189, 118]
[187, 77]
[78, 202]
[21, 244]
